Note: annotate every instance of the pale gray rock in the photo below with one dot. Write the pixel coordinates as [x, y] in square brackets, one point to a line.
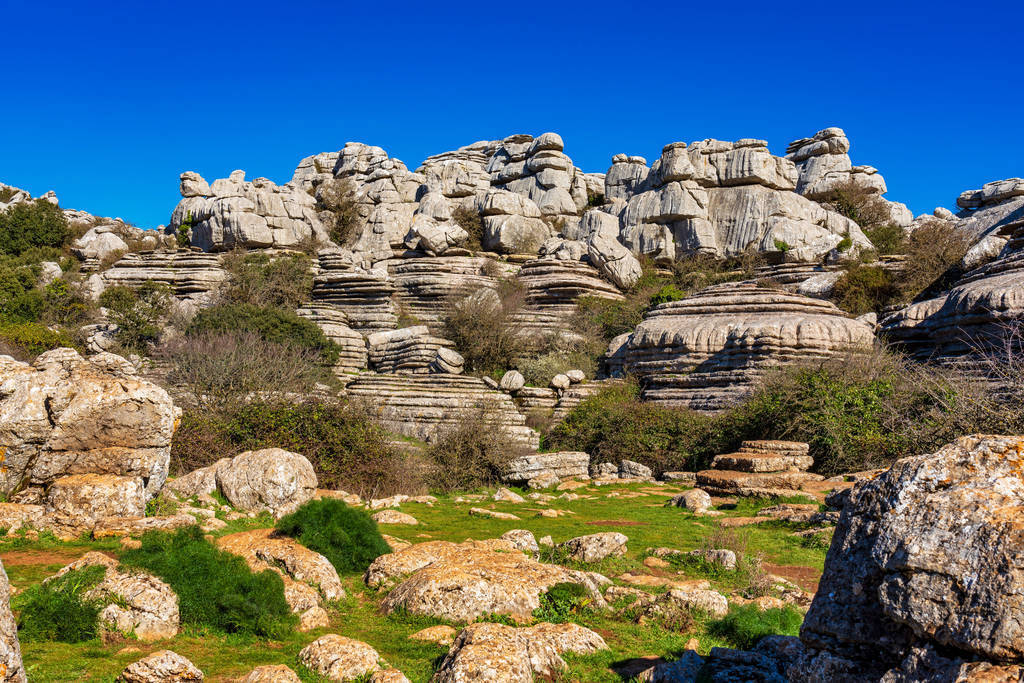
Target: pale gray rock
[162, 666]
[562, 465]
[512, 381]
[48, 272]
[629, 469]
[271, 479]
[595, 547]
[985, 250]
[694, 500]
[11, 667]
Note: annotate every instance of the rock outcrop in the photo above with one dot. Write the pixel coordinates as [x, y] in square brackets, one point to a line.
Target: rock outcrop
[560, 465]
[194, 277]
[11, 667]
[67, 415]
[338, 658]
[412, 350]
[925, 567]
[705, 351]
[424, 406]
[760, 469]
[162, 666]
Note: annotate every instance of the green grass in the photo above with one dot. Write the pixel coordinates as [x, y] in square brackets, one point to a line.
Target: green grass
[651, 524]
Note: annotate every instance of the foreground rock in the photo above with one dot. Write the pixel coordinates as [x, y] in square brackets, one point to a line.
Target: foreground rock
[272, 480]
[338, 658]
[162, 666]
[462, 581]
[11, 667]
[707, 351]
[495, 652]
[595, 547]
[67, 415]
[919, 555]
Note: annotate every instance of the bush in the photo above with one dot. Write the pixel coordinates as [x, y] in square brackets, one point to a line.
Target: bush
[864, 207]
[561, 602]
[138, 313]
[470, 221]
[483, 324]
[888, 239]
[745, 625]
[33, 339]
[346, 447]
[337, 197]
[220, 369]
[934, 251]
[215, 588]
[58, 609]
[470, 454]
[863, 289]
[272, 324]
[32, 224]
[346, 536]
[284, 281]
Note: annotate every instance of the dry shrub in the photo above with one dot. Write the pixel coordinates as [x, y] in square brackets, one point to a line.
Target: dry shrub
[934, 251]
[284, 280]
[864, 207]
[865, 288]
[752, 578]
[217, 369]
[470, 221]
[483, 324]
[471, 453]
[336, 199]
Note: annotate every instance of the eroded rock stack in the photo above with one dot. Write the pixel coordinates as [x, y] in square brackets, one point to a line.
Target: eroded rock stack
[922, 581]
[352, 356]
[424, 406]
[412, 350]
[193, 276]
[760, 469]
[552, 288]
[363, 296]
[706, 351]
[424, 286]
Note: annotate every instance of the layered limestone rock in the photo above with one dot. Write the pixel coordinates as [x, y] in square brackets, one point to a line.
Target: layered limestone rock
[824, 166]
[724, 197]
[352, 355]
[920, 553]
[538, 169]
[232, 212]
[412, 350]
[561, 465]
[424, 406]
[11, 667]
[363, 296]
[67, 415]
[760, 469]
[193, 277]
[424, 286]
[706, 351]
[994, 209]
[462, 581]
[975, 315]
[552, 288]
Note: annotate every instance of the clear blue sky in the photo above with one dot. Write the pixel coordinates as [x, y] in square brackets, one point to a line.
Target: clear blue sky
[106, 103]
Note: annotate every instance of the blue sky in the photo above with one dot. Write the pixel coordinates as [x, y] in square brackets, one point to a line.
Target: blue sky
[106, 103]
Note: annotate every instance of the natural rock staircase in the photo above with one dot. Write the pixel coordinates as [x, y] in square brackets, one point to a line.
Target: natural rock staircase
[760, 469]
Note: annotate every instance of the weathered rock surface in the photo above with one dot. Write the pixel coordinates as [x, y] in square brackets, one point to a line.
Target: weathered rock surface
[920, 553]
[766, 456]
[270, 479]
[463, 581]
[193, 277]
[11, 667]
[561, 465]
[79, 501]
[339, 658]
[67, 415]
[162, 666]
[706, 351]
[595, 547]
[423, 406]
[412, 350]
[352, 356]
[694, 500]
[272, 673]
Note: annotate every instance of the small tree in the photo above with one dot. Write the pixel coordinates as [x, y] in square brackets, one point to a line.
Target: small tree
[32, 224]
[137, 312]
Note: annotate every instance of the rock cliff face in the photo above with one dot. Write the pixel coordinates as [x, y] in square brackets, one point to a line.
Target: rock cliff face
[924, 571]
[707, 350]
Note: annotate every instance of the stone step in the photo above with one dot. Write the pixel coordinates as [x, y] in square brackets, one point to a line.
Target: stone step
[733, 483]
[778, 447]
[762, 462]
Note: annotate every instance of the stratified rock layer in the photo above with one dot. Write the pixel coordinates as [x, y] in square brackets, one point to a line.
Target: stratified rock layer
[706, 351]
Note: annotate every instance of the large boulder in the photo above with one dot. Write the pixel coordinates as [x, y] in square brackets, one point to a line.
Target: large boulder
[271, 479]
[11, 667]
[338, 658]
[928, 556]
[67, 415]
[162, 666]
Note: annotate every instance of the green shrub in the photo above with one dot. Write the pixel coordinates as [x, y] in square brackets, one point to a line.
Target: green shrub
[668, 293]
[561, 602]
[58, 609]
[346, 536]
[32, 224]
[215, 588]
[34, 338]
[184, 234]
[863, 289]
[782, 245]
[273, 324]
[283, 281]
[860, 204]
[745, 625]
[346, 447]
[845, 244]
[137, 312]
[888, 239]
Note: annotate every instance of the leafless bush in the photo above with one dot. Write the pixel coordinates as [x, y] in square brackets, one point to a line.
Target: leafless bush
[861, 205]
[484, 326]
[754, 580]
[472, 453]
[216, 370]
[470, 221]
[933, 252]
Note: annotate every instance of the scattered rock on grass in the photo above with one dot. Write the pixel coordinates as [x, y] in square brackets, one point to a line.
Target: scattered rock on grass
[273, 673]
[339, 658]
[521, 539]
[493, 514]
[162, 666]
[441, 634]
[508, 496]
[595, 547]
[694, 500]
[394, 517]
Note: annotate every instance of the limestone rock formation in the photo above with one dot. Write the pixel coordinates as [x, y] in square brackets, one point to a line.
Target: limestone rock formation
[920, 553]
[67, 415]
[760, 469]
[412, 350]
[363, 296]
[193, 277]
[339, 658]
[272, 673]
[11, 667]
[162, 666]
[561, 465]
[333, 322]
[462, 581]
[707, 350]
[423, 406]
[595, 547]
[553, 287]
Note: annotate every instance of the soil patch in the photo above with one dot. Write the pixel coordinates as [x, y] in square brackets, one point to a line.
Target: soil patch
[805, 577]
[16, 558]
